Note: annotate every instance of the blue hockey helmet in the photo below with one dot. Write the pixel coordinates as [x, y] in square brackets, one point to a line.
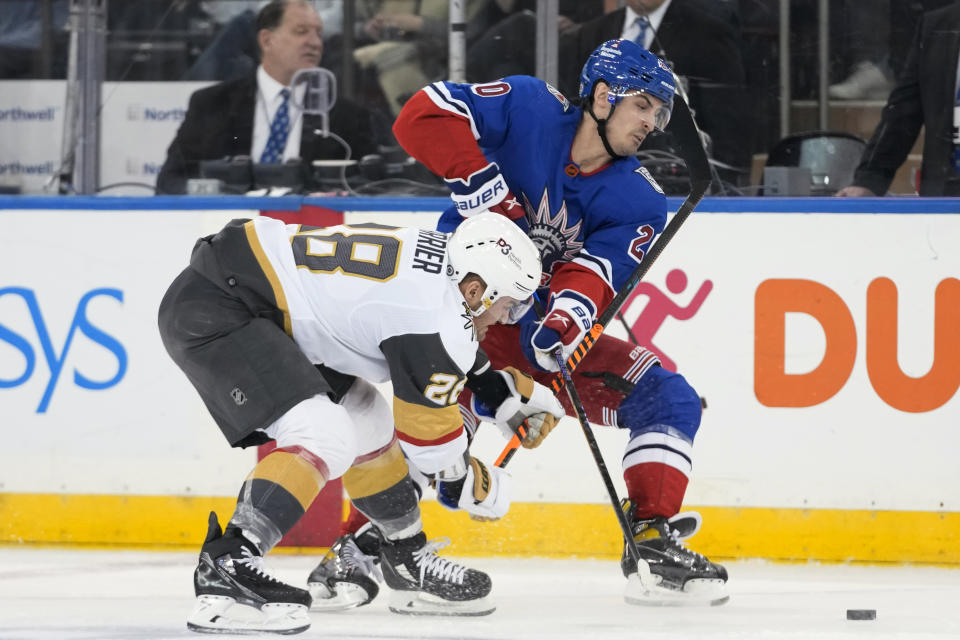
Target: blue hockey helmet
[628, 69]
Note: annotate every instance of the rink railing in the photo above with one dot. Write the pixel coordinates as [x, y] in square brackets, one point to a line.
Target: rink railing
[821, 332]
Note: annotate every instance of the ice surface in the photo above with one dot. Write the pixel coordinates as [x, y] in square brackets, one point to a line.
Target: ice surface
[48, 594]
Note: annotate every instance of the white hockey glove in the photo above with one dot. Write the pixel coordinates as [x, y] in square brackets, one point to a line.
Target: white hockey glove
[565, 324]
[484, 492]
[528, 401]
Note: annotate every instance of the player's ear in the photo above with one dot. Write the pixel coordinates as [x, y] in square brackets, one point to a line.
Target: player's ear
[601, 94]
[475, 288]
[471, 288]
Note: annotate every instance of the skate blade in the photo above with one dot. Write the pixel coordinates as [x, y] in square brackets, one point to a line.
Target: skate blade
[346, 596]
[415, 603]
[222, 614]
[695, 593]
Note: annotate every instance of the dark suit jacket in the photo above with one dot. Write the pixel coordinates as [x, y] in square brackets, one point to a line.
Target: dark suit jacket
[219, 123]
[924, 95]
[702, 47]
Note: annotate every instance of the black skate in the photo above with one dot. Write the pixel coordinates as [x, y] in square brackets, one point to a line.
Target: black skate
[236, 595]
[348, 574]
[426, 584]
[670, 574]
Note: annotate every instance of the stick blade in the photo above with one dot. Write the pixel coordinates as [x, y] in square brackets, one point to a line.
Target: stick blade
[687, 135]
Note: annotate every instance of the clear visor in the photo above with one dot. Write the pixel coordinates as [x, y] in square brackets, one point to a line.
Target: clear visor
[517, 310]
[661, 110]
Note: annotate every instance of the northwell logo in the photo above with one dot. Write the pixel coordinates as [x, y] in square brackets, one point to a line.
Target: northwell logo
[138, 167]
[152, 114]
[16, 114]
[21, 169]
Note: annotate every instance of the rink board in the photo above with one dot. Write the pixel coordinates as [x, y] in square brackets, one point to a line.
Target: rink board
[829, 371]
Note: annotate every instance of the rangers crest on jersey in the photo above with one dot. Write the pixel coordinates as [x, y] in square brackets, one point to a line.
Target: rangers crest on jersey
[556, 241]
[559, 96]
[646, 174]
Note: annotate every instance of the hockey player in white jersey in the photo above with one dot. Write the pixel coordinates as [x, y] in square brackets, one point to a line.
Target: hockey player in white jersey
[283, 328]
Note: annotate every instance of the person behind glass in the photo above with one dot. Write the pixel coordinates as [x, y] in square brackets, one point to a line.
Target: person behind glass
[927, 95]
[498, 39]
[701, 40]
[259, 115]
[23, 36]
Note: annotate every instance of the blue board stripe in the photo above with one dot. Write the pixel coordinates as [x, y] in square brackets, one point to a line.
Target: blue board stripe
[293, 203]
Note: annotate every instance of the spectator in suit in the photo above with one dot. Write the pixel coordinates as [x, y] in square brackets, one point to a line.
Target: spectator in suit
[702, 46]
[258, 115]
[926, 95]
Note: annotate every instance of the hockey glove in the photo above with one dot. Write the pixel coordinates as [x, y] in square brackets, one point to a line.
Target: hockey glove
[565, 324]
[528, 401]
[484, 492]
[484, 190]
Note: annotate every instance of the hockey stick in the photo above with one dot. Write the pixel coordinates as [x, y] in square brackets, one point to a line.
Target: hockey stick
[626, 326]
[598, 458]
[687, 134]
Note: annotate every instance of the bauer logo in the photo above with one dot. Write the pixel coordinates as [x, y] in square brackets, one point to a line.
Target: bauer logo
[53, 344]
[138, 112]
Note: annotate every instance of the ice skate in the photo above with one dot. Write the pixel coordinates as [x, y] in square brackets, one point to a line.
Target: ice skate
[348, 574]
[236, 595]
[425, 584]
[670, 574]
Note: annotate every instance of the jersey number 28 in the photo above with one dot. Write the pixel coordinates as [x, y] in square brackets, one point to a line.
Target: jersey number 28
[363, 255]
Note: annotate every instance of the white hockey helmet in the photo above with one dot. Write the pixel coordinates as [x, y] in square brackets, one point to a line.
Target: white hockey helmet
[497, 250]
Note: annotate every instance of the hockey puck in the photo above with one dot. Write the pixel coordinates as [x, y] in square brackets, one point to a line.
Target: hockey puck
[861, 614]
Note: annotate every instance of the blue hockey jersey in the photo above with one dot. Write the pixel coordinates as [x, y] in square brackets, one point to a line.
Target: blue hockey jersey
[602, 221]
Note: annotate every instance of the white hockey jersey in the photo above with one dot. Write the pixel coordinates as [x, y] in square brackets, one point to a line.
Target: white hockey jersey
[374, 301]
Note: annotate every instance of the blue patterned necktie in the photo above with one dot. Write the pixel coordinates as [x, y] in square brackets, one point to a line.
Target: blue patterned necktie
[643, 24]
[279, 130]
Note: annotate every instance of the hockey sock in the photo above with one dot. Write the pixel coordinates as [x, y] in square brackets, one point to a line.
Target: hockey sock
[656, 489]
[381, 489]
[277, 493]
[354, 521]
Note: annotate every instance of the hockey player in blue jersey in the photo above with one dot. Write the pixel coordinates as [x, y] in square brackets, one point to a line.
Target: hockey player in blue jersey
[568, 176]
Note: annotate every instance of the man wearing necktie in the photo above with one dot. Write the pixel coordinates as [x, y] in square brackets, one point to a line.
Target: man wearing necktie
[279, 130]
[927, 95]
[642, 24]
[259, 115]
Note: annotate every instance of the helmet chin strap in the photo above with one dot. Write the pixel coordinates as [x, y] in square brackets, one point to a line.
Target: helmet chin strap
[602, 129]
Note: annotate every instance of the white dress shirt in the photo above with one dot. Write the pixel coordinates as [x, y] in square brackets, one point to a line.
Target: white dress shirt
[631, 30]
[268, 100]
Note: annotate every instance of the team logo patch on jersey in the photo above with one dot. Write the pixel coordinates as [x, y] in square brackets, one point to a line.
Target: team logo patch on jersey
[653, 183]
[468, 323]
[556, 240]
[239, 397]
[559, 96]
